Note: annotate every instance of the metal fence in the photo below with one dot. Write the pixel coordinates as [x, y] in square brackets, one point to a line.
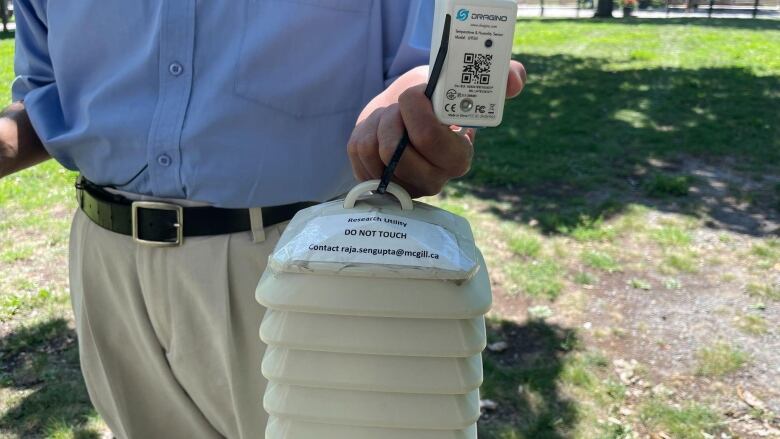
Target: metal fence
[710, 8]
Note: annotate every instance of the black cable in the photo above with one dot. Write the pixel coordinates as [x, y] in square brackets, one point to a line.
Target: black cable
[114, 186]
[432, 81]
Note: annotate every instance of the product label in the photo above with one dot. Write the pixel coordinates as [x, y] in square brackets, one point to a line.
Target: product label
[480, 37]
[378, 239]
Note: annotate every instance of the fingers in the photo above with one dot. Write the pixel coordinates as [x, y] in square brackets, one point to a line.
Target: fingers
[374, 142]
[470, 133]
[436, 152]
[414, 172]
[389, 132]
[362, 148]
[516, 80]
[446, 150]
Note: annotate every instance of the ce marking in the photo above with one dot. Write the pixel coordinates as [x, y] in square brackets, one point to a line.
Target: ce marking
[450, 108]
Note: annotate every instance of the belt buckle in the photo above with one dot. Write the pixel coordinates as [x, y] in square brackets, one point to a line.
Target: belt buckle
[156, 205]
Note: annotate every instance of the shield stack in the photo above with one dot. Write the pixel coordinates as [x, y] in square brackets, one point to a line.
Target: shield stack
[367, 347]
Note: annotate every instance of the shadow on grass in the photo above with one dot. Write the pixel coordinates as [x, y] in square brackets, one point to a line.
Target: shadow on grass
[732, 23]
[590, 136]
[41, 362]
[534, 360]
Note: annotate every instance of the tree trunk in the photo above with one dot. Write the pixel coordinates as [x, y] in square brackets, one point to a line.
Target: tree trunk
[4, 14]
[604, 9]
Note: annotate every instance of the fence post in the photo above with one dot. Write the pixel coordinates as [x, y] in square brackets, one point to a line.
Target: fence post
[541, 4]
[667, 8]
[578, 8]
[755, 9]
[709, 13]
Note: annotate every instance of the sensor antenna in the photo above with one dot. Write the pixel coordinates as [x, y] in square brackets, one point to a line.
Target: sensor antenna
[387, 175]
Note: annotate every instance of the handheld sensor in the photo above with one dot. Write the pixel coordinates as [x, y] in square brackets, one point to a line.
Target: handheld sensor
[470, 52]
[472, 86]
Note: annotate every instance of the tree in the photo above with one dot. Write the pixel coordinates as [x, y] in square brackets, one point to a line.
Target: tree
[4, 14]
[604, 9]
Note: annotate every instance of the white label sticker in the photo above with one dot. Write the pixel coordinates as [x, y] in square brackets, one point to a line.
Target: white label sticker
[378, 239]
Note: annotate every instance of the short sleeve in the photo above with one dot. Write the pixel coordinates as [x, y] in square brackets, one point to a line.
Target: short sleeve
[32, 64]
[414, 29]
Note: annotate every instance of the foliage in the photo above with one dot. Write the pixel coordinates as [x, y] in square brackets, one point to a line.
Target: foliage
[681, 423]
[600, 260]
[720, 359]
[660, 185]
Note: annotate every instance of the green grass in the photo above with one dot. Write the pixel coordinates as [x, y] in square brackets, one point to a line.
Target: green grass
[763, 291]
[28, 198]
[720, 359]
[660, 185]
[767, 252]
[608, 103]
[680, 262]
[585, 278]
[13, 253]
[455, 208]
[614, 120]
[539, 312]
[537, 278]
[672, 236]
[672, 284]
[532, 387]
[752, 324]
[600, 261]
[525, 245]
[686, 422]
[63, 429]
[23, 302]
[589, 229]
[6, 69]
[41, 390]
[546, 388]
[639, 284]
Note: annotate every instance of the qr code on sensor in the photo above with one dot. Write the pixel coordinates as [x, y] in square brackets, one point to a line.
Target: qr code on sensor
[476, 68]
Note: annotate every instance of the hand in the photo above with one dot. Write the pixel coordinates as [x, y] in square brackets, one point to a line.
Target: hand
[436, 152]
[20, 147]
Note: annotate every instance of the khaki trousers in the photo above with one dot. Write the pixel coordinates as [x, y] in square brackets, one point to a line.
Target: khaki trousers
[168, 337]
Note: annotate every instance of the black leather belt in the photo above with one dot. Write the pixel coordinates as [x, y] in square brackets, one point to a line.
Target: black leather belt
[166, 224]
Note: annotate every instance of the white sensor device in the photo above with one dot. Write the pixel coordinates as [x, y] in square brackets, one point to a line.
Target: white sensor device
[469, 66]
[472, 86]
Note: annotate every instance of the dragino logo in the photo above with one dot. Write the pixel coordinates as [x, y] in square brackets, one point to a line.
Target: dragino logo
[463, 14]
[490, 17]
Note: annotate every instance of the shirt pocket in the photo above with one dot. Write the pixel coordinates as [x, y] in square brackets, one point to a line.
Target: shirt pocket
[304, 57]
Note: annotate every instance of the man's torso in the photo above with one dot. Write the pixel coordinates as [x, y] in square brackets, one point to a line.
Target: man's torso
[238, 104]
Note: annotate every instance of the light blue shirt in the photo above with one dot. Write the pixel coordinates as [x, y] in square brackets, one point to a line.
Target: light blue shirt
[237, 103]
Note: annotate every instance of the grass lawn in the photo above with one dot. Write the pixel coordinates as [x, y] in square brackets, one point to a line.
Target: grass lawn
[629, 209]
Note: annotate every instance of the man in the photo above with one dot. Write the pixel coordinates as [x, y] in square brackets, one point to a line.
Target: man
[230, 114]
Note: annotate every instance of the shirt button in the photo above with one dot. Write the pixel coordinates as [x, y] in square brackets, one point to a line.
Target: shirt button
[175, 68]
[164, 160]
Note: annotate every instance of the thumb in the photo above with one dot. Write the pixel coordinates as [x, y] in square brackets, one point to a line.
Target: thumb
[516, 80]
